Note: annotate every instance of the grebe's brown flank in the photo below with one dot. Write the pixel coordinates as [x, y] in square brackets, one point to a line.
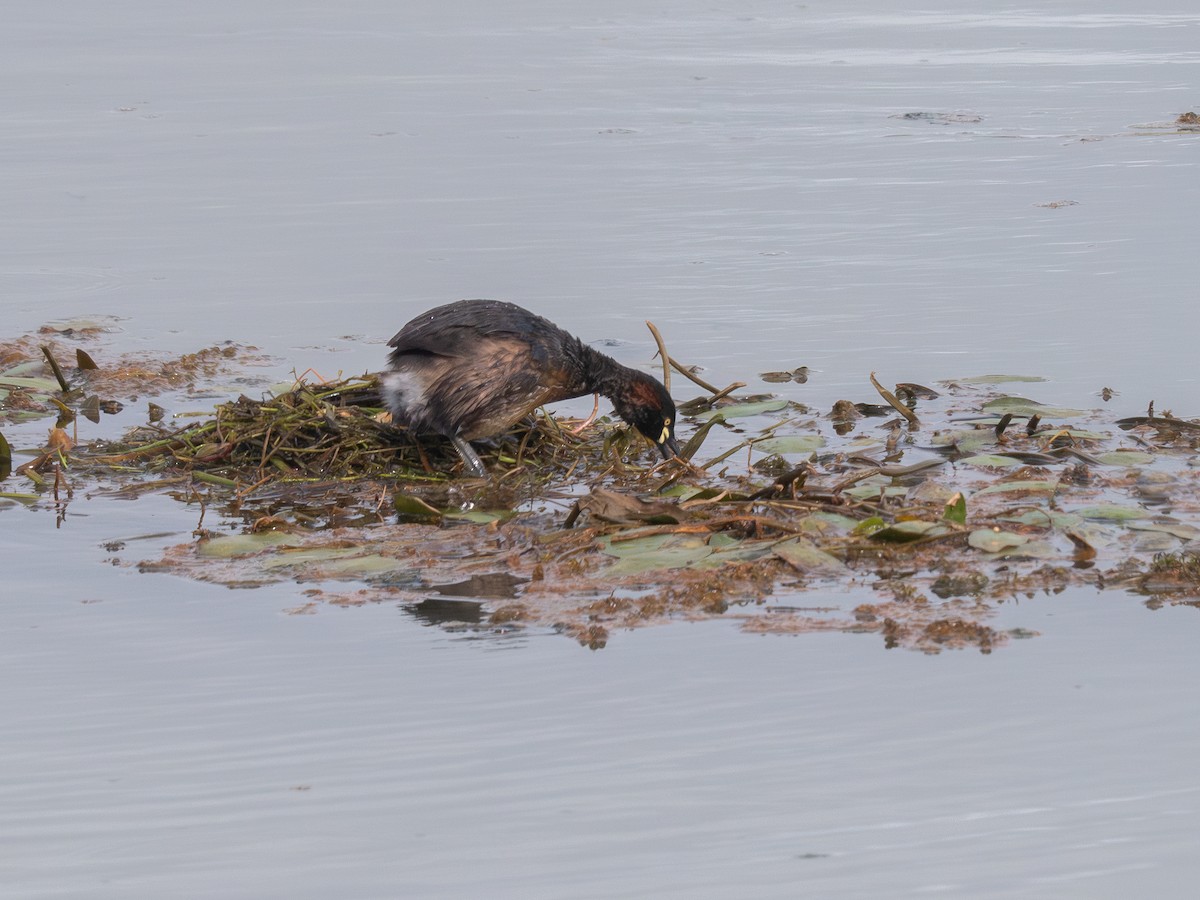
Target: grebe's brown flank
[472, 369]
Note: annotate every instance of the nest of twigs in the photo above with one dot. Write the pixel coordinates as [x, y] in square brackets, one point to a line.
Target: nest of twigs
[338, 431]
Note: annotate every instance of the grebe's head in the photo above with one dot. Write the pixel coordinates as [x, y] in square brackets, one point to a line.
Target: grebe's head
[645, 404]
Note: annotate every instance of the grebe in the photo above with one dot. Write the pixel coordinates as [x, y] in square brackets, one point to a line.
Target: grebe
[472, 369]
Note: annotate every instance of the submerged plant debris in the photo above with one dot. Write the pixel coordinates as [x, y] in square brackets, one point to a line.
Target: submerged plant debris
[917, 519]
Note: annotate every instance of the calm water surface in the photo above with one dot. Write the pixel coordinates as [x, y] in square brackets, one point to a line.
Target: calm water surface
[305, 179]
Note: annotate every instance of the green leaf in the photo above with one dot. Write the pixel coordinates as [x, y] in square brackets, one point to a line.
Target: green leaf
[745, 410]
[1023, 406]
[1046, 518]
[236, 545]
[1019, 487]
[956, 510]
[966, 440]
[1126, 458]
[870, 488]
[998, 379]
[1181, 530]
[808, 558]
[990, 460]
[19, 497]
[910, 530]
[655, 552]
[42, 385]
[870, 526]
[1111, 512]
[411, 508]
[791, 443]
[993, 540]
[362, 566]
[744, 551]
[823, 523]
[479, 516]
[299, 556]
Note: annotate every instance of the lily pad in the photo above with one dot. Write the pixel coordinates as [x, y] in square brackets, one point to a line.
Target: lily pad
[367, 566]
[232, 546]
[823, 522]
[1111, 512]
[1019, 487]
[42, 385]
[655, 552]
[991, 460]
[1046, 518]
[911, 530]
[300, 556]
[1034, 549]
[965, 440]
[739, 551]
[999, 379]
[410, 508]
[1181, 530]
[810, 559]
[993, 540]
[745, 410]
[873, 487]
[1126, 458]
[479, 516]
[1023, 406]
[791, 443]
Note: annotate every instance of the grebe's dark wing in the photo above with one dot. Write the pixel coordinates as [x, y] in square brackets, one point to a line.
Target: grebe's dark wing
[448, 330]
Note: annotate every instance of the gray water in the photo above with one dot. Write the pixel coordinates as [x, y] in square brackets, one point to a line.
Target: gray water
[305, 179]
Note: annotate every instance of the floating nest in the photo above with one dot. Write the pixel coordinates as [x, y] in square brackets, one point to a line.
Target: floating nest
[917, 529]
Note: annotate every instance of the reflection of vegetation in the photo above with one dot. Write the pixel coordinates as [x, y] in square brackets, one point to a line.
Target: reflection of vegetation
[916, 531]
[1172, 576]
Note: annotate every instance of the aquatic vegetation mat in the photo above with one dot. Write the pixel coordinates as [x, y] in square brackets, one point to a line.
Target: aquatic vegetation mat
[917, 519]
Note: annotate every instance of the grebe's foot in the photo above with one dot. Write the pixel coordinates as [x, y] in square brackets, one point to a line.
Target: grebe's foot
[471, 461]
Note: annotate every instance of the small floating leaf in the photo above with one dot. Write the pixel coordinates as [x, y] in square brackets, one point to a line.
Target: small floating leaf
[743, 551]
[1126, 458]
[808, 558]
[874, 487]
[41, 385]
[1111, 512]
[791, 443]
[993, 540]
[479, 516]
[991, 460]
[823, 522]
[998, 379]
[870, 526]
[413, 509]
[298, 556]
[236, 545]
[911, 530]
[1023, 406]
[655, 552]
[745, 410]
[966, 441]
[362, 566]
[1019, 487]
[1046, 518]
[956, 510]
[1181, 530]
[83, 360]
